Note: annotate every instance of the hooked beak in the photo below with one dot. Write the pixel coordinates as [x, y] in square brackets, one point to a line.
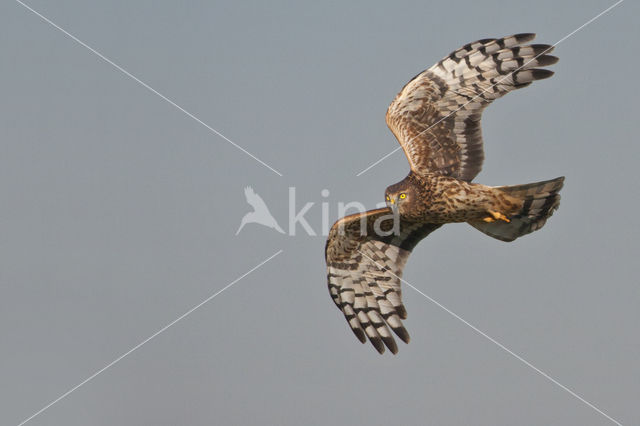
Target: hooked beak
[393, 206]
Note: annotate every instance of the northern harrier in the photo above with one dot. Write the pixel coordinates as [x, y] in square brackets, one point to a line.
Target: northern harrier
[436, 119]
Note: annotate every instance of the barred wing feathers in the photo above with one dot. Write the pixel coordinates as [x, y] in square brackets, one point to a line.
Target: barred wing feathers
[436, 116]
[364, 266]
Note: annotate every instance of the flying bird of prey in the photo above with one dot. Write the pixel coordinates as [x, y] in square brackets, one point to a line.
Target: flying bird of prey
[260, 213]
[436, 119]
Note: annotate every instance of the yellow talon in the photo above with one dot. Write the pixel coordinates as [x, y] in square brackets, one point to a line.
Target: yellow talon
[496, 216]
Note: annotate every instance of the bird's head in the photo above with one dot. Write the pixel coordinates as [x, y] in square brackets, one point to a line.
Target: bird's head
[398, 197]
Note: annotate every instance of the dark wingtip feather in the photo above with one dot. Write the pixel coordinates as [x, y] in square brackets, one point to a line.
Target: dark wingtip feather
[541, 74]
[377, 343]
[391, 344]
[402, 333]
[542, 48]
[546, 60]
[360, 335]
[402, 312]
[524, 37]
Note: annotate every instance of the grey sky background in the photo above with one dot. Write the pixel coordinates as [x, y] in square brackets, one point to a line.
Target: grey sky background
[118, 214]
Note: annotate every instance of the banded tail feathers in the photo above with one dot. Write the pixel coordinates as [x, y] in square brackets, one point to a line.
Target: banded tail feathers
[540, 200]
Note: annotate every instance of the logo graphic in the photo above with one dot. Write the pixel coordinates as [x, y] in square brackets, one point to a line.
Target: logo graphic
[297, 215]
[260, 213]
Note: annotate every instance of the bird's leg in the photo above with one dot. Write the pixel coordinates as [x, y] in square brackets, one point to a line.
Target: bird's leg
[495, 216]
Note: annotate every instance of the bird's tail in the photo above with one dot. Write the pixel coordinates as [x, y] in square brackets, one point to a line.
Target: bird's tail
[540, 199]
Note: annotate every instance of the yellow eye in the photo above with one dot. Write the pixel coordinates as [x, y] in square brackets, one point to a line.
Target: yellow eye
[403, 196]
[386, 198]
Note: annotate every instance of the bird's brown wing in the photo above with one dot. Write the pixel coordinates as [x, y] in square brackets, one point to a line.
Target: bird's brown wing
[436, 116]
[365, 257]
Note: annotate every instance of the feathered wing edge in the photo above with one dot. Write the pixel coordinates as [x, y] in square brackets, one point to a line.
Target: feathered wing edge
[436, 116]
[365, 259]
